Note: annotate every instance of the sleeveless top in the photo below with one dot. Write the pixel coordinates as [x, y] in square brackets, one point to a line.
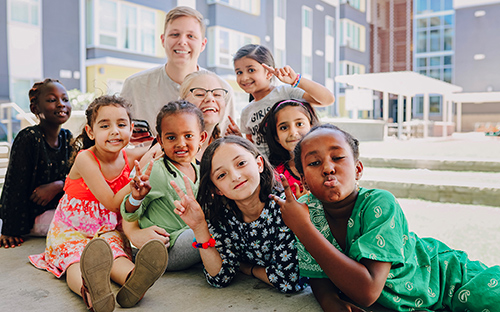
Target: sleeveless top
[77, 188]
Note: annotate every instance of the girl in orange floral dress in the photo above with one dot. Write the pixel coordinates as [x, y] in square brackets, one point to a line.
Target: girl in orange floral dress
[85, 239]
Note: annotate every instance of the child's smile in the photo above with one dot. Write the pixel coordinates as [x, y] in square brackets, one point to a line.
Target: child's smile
[53, 105]
[180, 137]
[251, 75]
[236, 172]
[112, 128]
[330, 170]
[291, 125]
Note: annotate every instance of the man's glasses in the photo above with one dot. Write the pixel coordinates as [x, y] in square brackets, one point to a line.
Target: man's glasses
[218, 93]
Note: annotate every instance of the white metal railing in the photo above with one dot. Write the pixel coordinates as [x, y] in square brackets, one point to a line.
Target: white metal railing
[6, 117]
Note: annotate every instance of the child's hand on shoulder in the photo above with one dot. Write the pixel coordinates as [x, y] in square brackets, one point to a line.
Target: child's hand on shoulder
[294, 214]
[286, 74]
[140, 183]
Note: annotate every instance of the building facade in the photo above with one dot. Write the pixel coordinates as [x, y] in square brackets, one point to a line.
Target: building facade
[96, 44]
[477, 62]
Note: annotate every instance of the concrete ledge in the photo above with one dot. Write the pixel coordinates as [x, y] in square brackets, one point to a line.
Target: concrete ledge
[439, 193]
[362, 129]
[432, 164]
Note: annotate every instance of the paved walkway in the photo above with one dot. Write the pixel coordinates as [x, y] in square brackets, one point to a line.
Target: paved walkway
[472, 228]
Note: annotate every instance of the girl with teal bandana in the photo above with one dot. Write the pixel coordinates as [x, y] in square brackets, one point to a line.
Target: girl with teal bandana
[356, 241]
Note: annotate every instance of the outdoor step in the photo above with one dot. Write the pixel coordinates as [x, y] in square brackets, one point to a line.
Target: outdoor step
[447, 164]
[478, 188]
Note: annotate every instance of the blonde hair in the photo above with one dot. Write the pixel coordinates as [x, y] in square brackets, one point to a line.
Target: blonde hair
[182, 11]
[230, 110]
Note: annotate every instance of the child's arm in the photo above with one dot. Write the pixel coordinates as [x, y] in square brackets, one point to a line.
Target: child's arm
[315, 93]
[327, 296]
[138, 237]
[361, 281]
[190, 211]
[43, 194]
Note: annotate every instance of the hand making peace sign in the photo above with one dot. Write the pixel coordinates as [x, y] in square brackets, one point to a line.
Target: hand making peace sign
[293, 213]
[286, 74]
[188, 208]
[140, 183]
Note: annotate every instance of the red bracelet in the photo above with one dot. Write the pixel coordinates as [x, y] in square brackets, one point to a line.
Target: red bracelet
[210, 243]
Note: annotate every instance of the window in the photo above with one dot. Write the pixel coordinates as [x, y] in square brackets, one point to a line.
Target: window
[434, 104]
[223, 44]
[350, 68]
[357, 4]
[352, 35]
[249, 6]
[121, 25]
[280, 8]
[306, 17]
[129, 27]
[19, 89]
[329, 70]
[329, 26]
[25, 11]
[448, 39]
[307, 65]
[279, 57]
[421, 6]
[435, 40]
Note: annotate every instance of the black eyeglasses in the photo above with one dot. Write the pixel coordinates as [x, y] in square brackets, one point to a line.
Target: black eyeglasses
[218, 93]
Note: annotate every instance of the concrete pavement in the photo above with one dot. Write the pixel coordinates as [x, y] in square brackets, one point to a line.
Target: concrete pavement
[25, 288]
[473, 228]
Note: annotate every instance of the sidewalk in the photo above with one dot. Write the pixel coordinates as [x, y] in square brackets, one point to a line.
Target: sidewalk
[472, 228]
[25, 288]
[464, 168]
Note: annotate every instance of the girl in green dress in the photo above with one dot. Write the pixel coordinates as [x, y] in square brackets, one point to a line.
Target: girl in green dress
[358, 241]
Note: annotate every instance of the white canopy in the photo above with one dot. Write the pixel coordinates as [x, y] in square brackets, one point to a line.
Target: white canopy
[476, 97]
[405, 84]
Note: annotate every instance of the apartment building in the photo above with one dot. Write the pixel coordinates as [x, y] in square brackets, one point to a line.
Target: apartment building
[94, 45]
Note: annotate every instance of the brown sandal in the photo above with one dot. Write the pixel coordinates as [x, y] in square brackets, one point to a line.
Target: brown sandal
[95, 265]
[150, 264]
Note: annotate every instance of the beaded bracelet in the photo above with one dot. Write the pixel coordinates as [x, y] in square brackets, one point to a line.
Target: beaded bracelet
[210, 243]
[297, 81]
[133, 201]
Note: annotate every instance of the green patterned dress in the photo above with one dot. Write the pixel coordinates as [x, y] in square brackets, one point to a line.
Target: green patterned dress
[425, 274]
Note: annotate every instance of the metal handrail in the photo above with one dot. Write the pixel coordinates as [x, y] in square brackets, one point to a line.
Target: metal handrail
[8, 120]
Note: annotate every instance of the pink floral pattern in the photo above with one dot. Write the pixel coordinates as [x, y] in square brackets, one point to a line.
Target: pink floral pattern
[78, 220]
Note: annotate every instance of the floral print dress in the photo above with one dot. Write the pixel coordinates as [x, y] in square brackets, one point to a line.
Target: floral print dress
[79, 217]
[266, 242]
